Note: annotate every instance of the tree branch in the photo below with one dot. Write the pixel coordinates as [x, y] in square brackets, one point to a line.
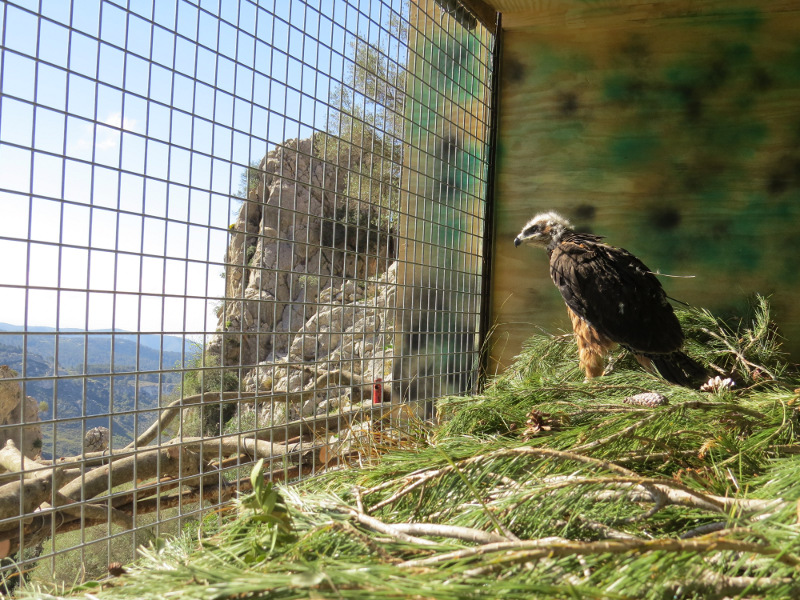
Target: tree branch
[692, 404]
[465, 534]
[385, 528]
[515, 552]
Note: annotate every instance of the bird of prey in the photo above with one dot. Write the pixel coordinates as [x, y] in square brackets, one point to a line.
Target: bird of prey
[612, 299]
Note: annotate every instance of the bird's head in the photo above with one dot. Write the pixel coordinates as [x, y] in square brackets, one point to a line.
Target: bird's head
[543, 229]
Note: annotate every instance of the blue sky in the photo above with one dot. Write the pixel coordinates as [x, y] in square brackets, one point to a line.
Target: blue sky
[123, 136]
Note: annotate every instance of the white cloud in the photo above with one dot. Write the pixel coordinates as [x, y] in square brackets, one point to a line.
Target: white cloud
[106, 138]
[116, 120]
[107, 134]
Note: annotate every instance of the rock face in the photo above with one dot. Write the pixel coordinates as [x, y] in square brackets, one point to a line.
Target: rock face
[14, 409]
[309, 287]
[96, 439]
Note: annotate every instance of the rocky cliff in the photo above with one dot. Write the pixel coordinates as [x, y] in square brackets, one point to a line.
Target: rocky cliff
[16, 409]
[310, 286]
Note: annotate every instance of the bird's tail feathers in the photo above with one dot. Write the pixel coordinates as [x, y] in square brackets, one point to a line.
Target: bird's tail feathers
[680, 369]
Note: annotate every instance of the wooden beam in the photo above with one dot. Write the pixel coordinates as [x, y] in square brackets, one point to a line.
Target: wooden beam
[485, 13]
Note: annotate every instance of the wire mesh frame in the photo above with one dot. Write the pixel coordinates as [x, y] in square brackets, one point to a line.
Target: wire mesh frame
[128, 238]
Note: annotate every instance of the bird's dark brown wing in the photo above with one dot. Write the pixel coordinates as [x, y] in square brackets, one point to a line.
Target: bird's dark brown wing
[615, 293]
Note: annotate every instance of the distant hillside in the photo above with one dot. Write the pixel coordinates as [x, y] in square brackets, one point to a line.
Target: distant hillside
[104, 398]
[172, 343]
[96, 348]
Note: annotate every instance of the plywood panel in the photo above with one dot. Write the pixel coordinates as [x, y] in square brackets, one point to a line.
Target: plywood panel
[671, 128]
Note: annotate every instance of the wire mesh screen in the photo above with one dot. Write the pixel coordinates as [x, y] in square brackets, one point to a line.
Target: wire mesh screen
[231, 231]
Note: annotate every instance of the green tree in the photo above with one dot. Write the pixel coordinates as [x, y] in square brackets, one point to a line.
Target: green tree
[204, 374]
[249, 179]
[366, 123]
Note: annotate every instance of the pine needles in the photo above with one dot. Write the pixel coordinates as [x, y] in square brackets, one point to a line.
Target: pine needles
[543, 487]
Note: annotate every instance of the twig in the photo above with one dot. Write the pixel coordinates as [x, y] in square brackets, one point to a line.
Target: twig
[663, 492]
[784, 449]
[613, 410]
[495, 521]
[369, 542]
[704, 530]
[738, 354]
[94, 512]
[601, 528]
[385, 528]
[172, 409]
[213, 494]
[234, 444]
[466, 534]
[620, 434]
[663, 456]
[719, 585]
[660, 503]
[564, 388]
[382, 486]
[405, 490]
[609, 386]
[276, 433]
[422, 476]
[695, 499]
[170, 460]
[653, 441]
[514, 552]
[734, 458]
[359, 502]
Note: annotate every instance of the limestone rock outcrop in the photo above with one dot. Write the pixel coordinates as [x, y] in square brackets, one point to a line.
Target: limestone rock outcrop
[18, 410]
[310, 287]
[97, 439]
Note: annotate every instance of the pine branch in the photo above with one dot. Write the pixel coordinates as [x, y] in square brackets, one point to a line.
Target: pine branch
[465, 534]
[522, 551]
[385, 528]
[663, 412]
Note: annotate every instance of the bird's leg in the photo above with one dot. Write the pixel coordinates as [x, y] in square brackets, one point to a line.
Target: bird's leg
[591, 358]
[591, 352]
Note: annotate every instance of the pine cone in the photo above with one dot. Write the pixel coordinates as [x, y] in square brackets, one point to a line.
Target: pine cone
[538, 422]
[651, 399]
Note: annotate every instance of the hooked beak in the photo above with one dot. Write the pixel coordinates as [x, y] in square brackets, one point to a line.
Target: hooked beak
[517, 241]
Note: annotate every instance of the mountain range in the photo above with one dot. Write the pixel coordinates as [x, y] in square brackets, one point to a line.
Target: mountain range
[115, 379]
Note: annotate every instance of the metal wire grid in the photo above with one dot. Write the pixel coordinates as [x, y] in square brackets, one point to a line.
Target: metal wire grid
[132, 134]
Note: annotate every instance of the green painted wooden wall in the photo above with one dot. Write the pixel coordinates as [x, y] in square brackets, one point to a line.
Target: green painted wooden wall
[672, 128]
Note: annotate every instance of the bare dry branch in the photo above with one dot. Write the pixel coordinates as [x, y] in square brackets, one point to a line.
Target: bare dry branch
[654, 457]
[419, 478]
[159, 462]
[22, 498]
[466, 534]
[378, 525]
[95, 512]
[174, 408]
[718, 585]
[514, 552]
[278, 432]
[13, 461]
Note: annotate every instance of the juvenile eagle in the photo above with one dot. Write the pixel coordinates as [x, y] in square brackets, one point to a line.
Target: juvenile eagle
[612, 299]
